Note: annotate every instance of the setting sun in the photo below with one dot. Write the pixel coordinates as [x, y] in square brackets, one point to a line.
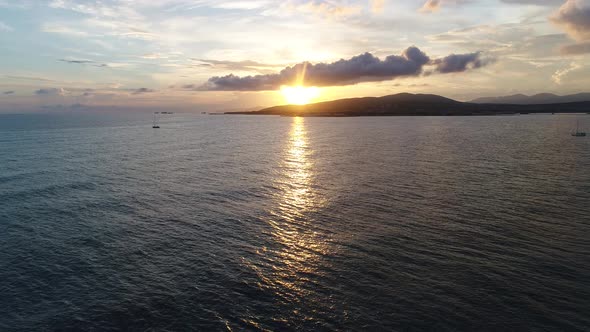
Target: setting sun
[299, 95]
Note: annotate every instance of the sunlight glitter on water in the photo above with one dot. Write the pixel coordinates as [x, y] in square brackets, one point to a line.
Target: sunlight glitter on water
[299, 250]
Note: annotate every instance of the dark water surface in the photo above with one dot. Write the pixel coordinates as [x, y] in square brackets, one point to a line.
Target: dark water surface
[271, 223]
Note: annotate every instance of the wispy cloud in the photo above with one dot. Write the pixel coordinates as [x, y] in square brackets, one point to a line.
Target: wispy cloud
[434, 5]
[98, 8]
[29, 78]
[246, 65]
[5, 27]
[377, 6]
[326, 9]
[561, 73]
[62, 29]
[431, 6]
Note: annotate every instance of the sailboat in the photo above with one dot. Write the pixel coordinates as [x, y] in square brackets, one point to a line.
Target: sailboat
[155, 125]
[578, 133]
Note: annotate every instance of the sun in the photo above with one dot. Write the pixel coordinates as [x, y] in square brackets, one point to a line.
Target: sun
[299, 95]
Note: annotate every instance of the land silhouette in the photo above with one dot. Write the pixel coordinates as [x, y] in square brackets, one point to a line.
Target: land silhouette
[541, 98]
[405, 104]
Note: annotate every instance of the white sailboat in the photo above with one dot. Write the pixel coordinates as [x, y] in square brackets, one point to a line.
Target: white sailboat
[578, 133]
[156, 118]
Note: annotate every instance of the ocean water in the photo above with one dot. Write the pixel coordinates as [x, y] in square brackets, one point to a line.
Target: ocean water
[263, 223]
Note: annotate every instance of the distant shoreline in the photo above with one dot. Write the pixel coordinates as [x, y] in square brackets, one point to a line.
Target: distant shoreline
[398, 115]
[406, 104]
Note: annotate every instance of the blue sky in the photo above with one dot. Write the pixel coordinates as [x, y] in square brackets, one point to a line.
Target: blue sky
[141, 54]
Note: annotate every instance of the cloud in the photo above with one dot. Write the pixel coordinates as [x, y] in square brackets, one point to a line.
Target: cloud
[5, 27]
[141, 91]
[455, 63]
[324, 9]
[561, 73]
[76, 61]
[64, 30]
[9, 92]
[575, 49]
[431, 6]
[574, 18]
[534, 2]
[51, 92]
[377, 5]
[27, 78]
[246, 65]
[361, 68]
[154, 56]
[84, 62]
[434, 5]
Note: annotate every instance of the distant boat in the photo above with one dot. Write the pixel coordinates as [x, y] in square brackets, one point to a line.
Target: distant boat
[155, 125]
[578, 133]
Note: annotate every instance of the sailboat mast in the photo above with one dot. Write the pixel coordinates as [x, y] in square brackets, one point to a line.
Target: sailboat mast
[155, 124]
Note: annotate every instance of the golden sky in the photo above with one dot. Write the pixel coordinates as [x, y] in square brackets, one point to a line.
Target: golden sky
[220, 54]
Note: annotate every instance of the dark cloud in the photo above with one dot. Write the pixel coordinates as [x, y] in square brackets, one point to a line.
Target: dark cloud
[84, 62]
[141, 91]
[76, 61]
[8, 92]
[362, 68]
[51, 92]
[455, 63]
[574, 18]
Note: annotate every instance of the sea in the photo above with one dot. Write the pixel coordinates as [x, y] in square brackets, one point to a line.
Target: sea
[268, 223]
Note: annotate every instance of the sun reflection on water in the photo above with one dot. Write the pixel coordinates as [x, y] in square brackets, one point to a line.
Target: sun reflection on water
[297, 167]
[292, 261]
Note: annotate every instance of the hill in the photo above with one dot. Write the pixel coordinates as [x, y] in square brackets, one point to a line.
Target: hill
[541, 98]
[412, 104]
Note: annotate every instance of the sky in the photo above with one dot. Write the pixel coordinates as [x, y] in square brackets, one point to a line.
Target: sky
[213, 55]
